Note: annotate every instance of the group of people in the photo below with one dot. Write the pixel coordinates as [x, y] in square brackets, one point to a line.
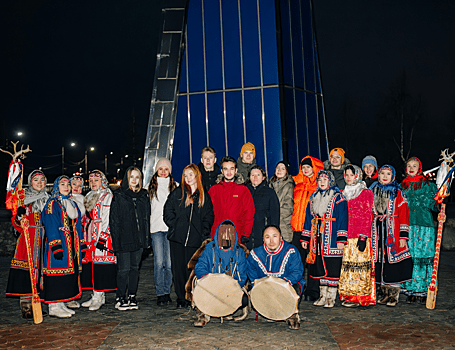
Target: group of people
[355, 229]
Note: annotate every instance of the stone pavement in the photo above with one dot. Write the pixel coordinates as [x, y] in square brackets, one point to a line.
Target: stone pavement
[152, 327]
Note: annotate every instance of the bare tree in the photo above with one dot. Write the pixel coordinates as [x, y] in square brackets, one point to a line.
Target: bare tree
[402, 112]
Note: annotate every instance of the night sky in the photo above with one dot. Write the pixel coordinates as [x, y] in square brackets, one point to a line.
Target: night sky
[76, 71]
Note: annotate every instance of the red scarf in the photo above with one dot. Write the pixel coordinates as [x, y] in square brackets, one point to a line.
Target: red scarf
[414, 182]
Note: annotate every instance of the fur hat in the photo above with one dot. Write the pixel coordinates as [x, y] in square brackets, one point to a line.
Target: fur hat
[369, 160]
[163, 162]
[248, 147]
[340, 151]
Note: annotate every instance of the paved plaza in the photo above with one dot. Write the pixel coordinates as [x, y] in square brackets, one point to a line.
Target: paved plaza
[152, 327]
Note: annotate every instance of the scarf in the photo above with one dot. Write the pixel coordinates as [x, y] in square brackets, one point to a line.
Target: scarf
[389, 190]
[414, 182]
[322, 197]
[66, 201]
[352, 191]
[92, 197]
[36, 198]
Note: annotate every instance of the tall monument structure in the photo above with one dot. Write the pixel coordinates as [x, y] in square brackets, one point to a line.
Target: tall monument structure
[236, 71]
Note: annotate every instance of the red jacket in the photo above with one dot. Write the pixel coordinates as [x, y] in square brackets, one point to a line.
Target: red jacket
[232, 201]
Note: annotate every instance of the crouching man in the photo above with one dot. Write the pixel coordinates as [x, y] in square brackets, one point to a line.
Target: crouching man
[280, 259]
[223, 255]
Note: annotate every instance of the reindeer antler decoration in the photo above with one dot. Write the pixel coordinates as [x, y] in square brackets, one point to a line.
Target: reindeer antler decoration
[448, 158]
[17, 154]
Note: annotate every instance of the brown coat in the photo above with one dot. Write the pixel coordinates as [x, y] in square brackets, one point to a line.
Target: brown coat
[284, 189]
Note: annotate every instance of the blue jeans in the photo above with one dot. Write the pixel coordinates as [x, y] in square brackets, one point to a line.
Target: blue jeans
[162, 263]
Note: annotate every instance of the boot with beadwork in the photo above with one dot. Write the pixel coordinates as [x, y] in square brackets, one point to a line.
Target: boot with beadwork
[322, 296]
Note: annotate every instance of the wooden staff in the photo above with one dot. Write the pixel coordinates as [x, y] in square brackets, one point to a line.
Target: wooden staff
[36, 302]
[433, 288]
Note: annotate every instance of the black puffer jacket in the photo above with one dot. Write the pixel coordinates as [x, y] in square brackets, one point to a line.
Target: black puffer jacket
[129, 219]
[190, 225]
[266, 211]
[209, 177]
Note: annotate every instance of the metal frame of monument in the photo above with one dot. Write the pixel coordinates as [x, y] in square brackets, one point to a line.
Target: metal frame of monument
[202, 96]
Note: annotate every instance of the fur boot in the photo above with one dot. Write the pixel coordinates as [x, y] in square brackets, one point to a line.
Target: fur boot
[243, 316]
[331, 296]
[26, 308]
[385, 293]
[73, 304]
[88, 302]
[322, 296]
[56, 309]
[97, 301]
[394, 295]
[294, 321]
[202, 319]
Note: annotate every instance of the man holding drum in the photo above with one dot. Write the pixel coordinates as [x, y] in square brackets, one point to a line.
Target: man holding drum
[222, 256]
[279, 259]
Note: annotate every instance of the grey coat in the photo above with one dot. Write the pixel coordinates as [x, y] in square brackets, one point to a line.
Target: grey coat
[285, 191]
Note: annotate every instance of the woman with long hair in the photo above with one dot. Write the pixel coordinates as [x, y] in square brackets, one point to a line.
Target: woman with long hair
[130, 226]
[161, 184]
[188, 213]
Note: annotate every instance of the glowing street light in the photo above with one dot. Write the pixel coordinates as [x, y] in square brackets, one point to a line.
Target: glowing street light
[73, 144]
[20, 133]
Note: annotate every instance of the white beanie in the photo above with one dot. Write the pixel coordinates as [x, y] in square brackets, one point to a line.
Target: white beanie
[163, 162]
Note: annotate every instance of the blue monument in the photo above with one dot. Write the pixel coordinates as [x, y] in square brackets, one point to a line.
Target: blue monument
[236, 71]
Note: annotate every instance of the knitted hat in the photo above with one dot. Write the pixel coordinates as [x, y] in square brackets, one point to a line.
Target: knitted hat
[369, 160]
[248, 147]
[306, 161]
[340, 151]
[163, 162]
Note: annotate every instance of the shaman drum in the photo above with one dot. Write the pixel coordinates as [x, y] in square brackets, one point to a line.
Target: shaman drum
[274, 298]
[217, 295]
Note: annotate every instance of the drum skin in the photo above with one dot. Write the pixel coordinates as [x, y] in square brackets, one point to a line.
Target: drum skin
[274, 298]
[217, 295]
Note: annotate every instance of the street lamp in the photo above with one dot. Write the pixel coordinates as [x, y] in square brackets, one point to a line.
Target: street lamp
[20, 133]
[91, 149]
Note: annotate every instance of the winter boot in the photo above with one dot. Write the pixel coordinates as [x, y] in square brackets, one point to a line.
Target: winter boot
[88, 302]
[322, 296]
[73, 304]
[331, 296]
[385, 293]
[294, 321]
[64, 307]
[202, 319]
[56, 310]
[97, 301]
[394, 295]
[26, 308]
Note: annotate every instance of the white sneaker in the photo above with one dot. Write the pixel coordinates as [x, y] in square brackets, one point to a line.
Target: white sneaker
[56, 310]
[88, 302]
[97, 301]
[73, 304]
[64, 307]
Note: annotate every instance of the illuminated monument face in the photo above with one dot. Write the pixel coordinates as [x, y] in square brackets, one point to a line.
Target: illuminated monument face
[248, 73]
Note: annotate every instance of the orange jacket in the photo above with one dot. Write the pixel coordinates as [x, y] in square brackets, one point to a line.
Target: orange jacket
[304, 188]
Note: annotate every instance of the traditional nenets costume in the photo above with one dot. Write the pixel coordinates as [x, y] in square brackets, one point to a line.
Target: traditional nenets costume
[64, 248]
[420, 193]
[326, 226]
[19, 283]
[99, 272]
[357, 284]
[224, 255]
[392, 258]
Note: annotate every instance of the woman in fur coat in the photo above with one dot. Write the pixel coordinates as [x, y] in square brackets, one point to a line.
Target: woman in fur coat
[393, 263]
[64, 249]
[357, 284]
[161, 184]
[19, 283]
[283, 184]
[100, 263]
[325, 234]
[420, 193]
